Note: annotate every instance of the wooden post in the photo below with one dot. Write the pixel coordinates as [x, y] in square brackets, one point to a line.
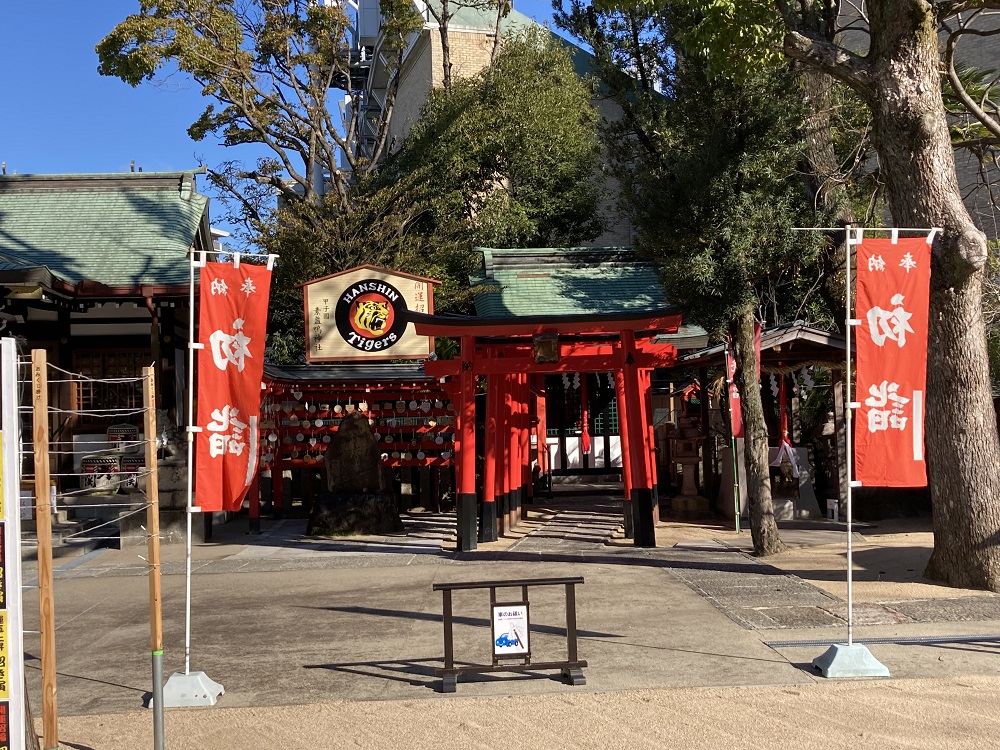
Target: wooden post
[708, 442]
[646, 384]
[542, 429]
[515, 451]
[840, 426]
[514, 438]
[503, 453]
[43, 521]
[153, 552]
[531, 429]
[277, 480]
[254, 514]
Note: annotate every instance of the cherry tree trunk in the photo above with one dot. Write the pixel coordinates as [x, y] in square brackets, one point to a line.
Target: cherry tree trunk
[917, 162]
[763, 527]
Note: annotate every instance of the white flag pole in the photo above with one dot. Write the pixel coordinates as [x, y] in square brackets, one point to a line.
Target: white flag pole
[190, 688]
[189, 506]
[854, 238]
[852, 659]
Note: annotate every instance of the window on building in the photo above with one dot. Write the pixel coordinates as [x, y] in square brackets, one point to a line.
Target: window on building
[100, 392]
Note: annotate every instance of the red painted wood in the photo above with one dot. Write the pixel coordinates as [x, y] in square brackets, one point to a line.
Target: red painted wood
[514, 464]
[531, 431]
[543, 428]
[523, 429]
[425, 325]
[647, 422]
[490, 443]
[576, 363]
[636, 430]
[466, 412]
[623, 434]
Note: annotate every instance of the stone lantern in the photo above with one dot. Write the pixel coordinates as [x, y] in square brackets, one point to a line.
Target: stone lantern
[685, 449]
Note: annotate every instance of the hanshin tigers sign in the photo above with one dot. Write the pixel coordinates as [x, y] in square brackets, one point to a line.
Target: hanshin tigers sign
[362, 314]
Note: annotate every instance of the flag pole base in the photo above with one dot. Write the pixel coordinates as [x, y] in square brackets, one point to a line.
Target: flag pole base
[842, 661]
[192, 689]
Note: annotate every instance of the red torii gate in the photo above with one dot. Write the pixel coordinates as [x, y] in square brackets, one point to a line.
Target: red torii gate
[514, 355]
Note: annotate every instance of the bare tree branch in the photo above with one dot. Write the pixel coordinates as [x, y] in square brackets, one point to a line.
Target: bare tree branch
[951, 8]
[842, 64]
[988, 122]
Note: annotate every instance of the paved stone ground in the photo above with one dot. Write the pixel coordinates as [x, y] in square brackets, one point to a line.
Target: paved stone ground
[752, 593]
[577, 528]
[283, 619]
[756, 595]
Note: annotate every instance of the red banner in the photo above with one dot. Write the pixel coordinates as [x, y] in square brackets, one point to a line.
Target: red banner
[735, 407]
[231, 325]
[892, 305]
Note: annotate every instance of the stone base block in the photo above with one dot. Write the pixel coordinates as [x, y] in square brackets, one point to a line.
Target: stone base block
[192, 689]
[842, 661]
[355, 512]
[685, 504]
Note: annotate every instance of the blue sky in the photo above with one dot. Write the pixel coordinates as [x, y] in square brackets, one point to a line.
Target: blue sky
[60, 115]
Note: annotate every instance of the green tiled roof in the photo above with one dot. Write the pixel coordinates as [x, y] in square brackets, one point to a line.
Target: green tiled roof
[119, 230]
[565, 281]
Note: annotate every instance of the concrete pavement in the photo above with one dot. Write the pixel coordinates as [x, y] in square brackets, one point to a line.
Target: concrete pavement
[673, 635]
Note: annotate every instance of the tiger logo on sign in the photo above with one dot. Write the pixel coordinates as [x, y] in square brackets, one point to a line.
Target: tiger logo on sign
[371, 316]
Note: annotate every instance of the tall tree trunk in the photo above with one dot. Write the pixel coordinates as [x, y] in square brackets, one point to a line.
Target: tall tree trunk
[917, 161]
[443, 23]
[503, 8]
[763, 527]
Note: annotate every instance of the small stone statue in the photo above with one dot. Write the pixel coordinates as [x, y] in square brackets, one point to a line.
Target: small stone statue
[168, 438]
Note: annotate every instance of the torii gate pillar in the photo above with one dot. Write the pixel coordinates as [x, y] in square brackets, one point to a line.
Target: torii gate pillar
[466, 452]
[642, 487]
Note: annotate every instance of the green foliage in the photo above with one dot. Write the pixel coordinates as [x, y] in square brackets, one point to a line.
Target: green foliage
[507, 159]
[967, 130]
[512, 150]
[735, 38]
[716, 209]
[268, 68]
[860, 176]
[732, 38]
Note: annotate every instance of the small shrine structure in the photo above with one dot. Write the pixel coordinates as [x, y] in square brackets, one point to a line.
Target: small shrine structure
[552, 373]
[568, 313]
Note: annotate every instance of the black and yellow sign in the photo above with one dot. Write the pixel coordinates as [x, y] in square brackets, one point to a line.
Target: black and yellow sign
[363, 314]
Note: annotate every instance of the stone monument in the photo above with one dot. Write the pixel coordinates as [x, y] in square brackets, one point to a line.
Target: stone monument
[360, 497]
